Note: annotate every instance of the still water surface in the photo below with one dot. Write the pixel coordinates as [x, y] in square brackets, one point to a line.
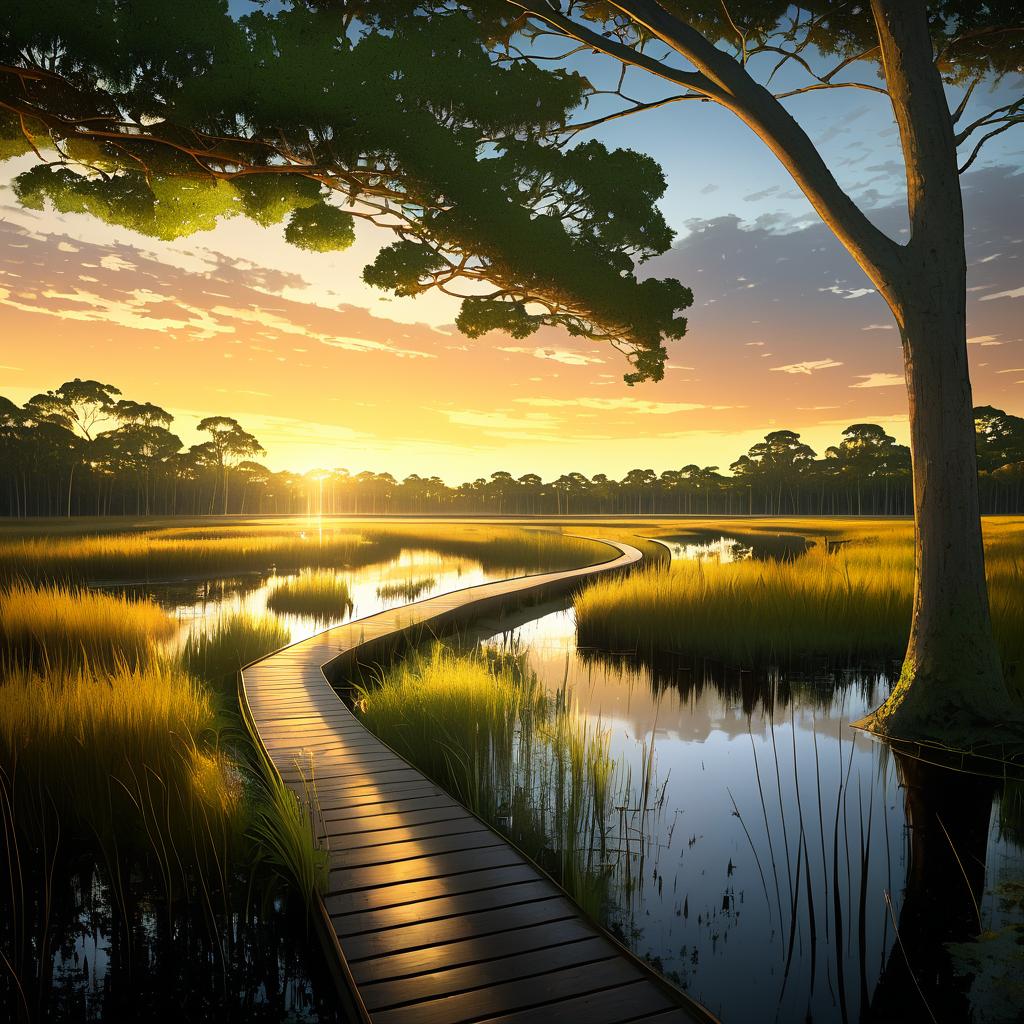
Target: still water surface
[772, 872]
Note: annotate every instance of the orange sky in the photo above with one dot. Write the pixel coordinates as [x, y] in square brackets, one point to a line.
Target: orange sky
[784, 332]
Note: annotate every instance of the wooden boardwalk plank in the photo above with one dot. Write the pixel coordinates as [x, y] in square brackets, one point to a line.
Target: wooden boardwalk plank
[437, 918]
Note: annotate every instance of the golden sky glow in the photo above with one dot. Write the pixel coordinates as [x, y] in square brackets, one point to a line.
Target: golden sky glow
[784, 332]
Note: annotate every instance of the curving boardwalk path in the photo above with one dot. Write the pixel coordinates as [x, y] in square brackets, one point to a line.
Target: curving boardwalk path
[431, 915]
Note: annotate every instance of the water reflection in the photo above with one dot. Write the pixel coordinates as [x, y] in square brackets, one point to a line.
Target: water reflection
[785, 848]
[198, 603]
[698, 546]
[82, 954]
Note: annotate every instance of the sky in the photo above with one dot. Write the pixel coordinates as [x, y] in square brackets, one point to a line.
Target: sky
[785, 330]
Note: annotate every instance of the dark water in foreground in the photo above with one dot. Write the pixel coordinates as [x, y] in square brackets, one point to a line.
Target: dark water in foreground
[784, 850]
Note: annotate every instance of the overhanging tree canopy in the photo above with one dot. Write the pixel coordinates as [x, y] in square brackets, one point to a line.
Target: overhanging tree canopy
[168, 118]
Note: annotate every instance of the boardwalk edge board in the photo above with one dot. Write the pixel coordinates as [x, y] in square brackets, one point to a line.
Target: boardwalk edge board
[474, 964]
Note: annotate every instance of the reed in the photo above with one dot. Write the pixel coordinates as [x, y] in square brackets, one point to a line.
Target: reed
[406, 590]
[283, 836]
[196, 551]
[846, 604]
[318, 593]
[216, 653]
[128, 756]
[58, 626]
[484, 727]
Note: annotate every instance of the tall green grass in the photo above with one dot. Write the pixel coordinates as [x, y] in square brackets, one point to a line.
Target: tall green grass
[321, 594]
[216, 652]
[486, 730]
[59, 626]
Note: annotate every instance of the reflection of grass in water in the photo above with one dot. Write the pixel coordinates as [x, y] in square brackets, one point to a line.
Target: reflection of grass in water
[219, 651]
[318, 593]
[407, 590]
[854, 602]
[60, 626]
[486, 730]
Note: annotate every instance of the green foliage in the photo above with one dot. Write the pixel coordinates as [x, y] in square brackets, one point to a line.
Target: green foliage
[321, 228]
[403, 267]
[215, 654]
[400, 108]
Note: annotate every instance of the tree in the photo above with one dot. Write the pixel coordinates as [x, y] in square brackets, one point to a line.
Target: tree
[230, 443]
[80, 405]
[448, 122]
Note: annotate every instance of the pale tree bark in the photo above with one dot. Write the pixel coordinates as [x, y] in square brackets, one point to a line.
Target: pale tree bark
[951, 686]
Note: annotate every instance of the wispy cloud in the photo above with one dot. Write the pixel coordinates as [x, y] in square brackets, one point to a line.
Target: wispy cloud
[1013, 293]
[626, 404]
[557, 355]
[878, 380]
[808, 366]
[985, 340]
[879, 327]
[848, 293]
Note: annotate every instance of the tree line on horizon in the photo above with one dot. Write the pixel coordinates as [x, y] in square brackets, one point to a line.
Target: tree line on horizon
[83, 449]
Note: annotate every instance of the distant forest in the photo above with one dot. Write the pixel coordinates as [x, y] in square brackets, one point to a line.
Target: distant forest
[83, 449]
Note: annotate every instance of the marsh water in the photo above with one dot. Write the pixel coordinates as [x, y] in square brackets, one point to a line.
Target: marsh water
[782, 866]
[122, 951]
[781, 851]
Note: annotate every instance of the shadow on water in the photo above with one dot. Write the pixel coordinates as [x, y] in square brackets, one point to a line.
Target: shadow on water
[791, 866]
[696, 545]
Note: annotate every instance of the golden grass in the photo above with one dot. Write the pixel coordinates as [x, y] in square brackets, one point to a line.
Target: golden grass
[313, 592]
[127, 755]
[63, 626]
[407, 590]
[202, 551]
[852, 603]
[216, 653]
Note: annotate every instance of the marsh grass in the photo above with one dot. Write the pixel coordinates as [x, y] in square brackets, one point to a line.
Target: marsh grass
[129, 757]
[283, 832]
[317, 593]
[483, 726]
[848, 604]
[407, 590]
[216, 653]
[204, 551]
[58, 627]
[145, 556]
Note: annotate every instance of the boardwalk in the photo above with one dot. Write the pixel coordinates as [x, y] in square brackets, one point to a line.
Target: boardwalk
[431, 915]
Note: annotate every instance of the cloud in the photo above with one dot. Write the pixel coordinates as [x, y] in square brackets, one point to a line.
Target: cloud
[634, 405]
[848, 293]
[878, 380]
[708, 189]
[879, 327]
[1013, 293]
[808, 366]
[557, 355]
[985, 340]
[532, 426]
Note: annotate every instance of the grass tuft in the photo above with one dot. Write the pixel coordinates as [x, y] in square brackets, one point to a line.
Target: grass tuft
[318, 593]
[485, 729]
[407, 590]
[216, 654]
[60, 626]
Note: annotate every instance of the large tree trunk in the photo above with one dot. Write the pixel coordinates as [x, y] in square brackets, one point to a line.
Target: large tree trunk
[951, 686]
[952, 681]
